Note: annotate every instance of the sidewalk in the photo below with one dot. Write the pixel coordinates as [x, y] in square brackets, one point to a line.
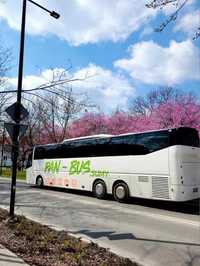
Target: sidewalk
[9, 179]
[7, 258]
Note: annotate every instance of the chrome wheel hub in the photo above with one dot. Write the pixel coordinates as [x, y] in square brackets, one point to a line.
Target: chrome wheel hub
[99, 189]
[120, 192]
[39, 181]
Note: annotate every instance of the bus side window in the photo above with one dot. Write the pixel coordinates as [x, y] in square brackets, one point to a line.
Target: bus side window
[153, 141]
[102, 147]
[129, 139]
[80, 148]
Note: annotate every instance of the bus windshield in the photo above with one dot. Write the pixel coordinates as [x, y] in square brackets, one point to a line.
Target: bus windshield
[29, 160]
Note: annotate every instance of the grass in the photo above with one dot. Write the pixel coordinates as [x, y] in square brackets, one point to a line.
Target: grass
[7, 172]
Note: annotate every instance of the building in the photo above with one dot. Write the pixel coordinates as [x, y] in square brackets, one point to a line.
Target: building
[6, 159]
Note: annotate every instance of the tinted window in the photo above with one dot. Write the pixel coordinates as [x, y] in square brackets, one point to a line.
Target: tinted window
[186, 136]
[39, 152]
[82, 148]
[74, 149]
[126, 145]
[125, 139]
[101, 147]
[136, 144]
[153, 141]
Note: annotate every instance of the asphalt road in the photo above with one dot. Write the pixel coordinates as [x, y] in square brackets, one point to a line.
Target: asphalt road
[153, 233]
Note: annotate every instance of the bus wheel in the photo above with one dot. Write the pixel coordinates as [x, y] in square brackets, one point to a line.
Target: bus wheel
[99, 189]
[39, 182]
[121, 192]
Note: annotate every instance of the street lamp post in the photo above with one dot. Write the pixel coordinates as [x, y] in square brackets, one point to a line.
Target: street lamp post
[2, 150]
[15, 147]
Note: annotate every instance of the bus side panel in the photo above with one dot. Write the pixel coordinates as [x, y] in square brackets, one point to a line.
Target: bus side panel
[150, 178]
[80, 173]
[185, 172]
[144, 174]
[56, 172]
[137, 171]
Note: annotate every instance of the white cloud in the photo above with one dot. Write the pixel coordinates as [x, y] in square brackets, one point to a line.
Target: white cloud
[189, 23]
[154, 64]
[104, 88]
[34, 81]
[81, 21]
[148, 30]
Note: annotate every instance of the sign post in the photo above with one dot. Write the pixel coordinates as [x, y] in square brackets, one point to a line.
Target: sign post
[16, 130]
[2, 150]
[11, 129]
[17, 112]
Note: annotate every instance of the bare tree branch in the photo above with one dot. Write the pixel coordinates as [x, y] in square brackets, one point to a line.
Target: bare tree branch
[178, 5]
[5, 65]
[52, 107]
[43, 87]
[146, 105]
[160, 3]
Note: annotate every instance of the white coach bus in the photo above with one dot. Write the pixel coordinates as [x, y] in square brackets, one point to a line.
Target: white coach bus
[162, 164]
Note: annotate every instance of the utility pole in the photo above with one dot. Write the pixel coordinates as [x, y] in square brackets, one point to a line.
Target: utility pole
[15, 146]
[2, 149]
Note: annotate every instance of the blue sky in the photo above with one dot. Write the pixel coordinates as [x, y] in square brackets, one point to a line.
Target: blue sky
[111, 41]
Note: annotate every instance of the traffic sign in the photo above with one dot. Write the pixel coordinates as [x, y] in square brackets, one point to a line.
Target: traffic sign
[12, 109]
[11, 129]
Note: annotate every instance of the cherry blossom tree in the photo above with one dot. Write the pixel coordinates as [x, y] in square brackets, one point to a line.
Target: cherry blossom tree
[173, 114]
[145, 105]
[117, 123]
[160, 109]
[89, 124]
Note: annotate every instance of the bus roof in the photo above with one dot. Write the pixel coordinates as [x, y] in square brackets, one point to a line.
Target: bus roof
[155, 130]
[99, 136]
[89, 137]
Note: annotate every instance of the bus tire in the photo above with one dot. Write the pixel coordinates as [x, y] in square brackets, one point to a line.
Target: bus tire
[121, 192]
[99, 189]
[39, 182]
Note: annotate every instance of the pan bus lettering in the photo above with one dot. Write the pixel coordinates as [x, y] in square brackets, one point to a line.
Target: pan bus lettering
[81, 167]
[52, 167]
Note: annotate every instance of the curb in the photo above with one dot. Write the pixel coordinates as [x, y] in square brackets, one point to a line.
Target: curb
[8, 258]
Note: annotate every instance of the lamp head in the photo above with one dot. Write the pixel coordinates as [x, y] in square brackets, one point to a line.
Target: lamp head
[55, 14]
